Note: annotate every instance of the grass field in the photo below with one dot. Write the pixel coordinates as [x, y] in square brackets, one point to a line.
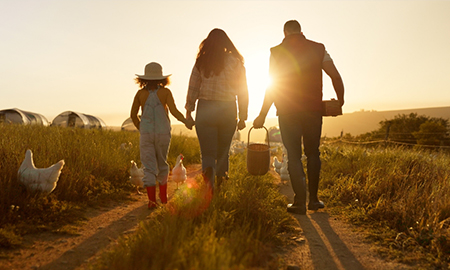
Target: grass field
[399, 195]
[96, 169]
[402, 195]
[238, 229]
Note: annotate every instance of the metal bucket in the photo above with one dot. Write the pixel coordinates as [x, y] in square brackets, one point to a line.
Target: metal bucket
[258, 156]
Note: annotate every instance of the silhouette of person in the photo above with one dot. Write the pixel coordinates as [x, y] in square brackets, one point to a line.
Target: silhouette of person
[218, 78]
[296, 69]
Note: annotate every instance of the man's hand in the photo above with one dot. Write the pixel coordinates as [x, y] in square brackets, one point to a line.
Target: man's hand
[259, 121]
[241, 125]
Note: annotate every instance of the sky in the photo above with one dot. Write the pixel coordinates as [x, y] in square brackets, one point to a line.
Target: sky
[82, 55]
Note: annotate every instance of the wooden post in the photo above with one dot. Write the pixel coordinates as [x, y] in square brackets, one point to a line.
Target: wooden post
[386, 137]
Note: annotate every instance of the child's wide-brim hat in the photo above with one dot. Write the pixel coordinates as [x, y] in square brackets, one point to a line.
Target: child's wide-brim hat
[153, 71]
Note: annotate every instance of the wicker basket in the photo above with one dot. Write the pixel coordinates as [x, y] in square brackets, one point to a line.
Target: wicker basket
[258, 156]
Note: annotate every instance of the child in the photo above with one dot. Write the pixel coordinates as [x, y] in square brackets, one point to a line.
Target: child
[154, 127]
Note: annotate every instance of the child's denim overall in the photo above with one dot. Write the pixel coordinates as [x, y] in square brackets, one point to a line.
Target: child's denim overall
[155, 140]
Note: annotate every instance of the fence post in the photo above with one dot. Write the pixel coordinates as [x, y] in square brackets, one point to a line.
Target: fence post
[386, 137]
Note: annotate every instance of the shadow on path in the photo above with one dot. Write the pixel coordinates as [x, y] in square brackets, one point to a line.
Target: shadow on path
[81, 253]
[327, 249]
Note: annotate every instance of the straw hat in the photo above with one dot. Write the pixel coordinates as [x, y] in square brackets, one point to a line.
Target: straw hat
[153, 71]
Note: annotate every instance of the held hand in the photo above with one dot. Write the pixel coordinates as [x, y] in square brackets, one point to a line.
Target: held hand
[259, 122]
[189, 123]
[189, 116]
[241, 125]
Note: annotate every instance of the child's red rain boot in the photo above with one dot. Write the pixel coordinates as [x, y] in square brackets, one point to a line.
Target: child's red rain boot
[163, 193]
[151, 193]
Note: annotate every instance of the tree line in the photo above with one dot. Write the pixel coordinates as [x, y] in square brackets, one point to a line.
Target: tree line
[409, 129]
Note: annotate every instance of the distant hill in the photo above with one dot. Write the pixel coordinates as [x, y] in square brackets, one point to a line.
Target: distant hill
[365, 121]
[355, 123]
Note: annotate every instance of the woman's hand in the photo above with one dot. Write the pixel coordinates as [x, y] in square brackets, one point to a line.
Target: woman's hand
[189, 123]
[241, 125]
[189, 120]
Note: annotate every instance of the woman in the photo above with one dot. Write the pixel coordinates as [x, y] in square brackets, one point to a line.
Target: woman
[218, 77]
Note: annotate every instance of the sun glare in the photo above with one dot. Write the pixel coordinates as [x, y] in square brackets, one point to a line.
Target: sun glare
[257, 67]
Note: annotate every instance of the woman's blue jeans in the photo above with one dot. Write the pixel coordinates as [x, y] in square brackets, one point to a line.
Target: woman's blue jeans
[215, 124]
[296, 128]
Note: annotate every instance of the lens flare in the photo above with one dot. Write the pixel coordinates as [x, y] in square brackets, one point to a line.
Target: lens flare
[191, 199]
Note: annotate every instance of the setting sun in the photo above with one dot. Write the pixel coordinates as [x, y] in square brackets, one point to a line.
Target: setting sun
[257, 67]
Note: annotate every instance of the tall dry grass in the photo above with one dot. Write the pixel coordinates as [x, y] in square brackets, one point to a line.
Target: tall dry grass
[403, 194]
[96, 169]
[238, 230]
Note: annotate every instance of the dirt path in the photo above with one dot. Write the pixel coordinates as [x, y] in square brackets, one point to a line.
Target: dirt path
[324, 242]
[104, 226]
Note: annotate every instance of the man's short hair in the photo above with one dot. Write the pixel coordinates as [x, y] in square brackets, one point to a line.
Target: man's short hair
[292, 26]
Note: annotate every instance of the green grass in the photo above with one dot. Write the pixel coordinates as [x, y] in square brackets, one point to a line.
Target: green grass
[237, 230]
[96, 170]
[402, 195]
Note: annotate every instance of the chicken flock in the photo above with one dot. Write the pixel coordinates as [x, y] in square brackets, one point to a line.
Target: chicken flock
[281, 167]
[45, 180]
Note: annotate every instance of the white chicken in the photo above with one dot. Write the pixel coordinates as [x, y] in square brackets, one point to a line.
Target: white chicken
[276, 164]
[36, 179]
[284, 173]
[126, 147]
[237, 147]
[136, 175]
[179, 171]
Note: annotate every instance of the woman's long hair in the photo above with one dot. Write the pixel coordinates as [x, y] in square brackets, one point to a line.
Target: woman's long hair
[212, 52]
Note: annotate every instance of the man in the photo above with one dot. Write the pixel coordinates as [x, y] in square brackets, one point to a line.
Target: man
[296, 69]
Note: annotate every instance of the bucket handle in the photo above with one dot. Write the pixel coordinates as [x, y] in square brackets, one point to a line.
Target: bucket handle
[267, 133]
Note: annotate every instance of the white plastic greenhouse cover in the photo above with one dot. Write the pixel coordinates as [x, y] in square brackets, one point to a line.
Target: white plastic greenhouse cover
[76, 119]
[17, 116]
[128, 125]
